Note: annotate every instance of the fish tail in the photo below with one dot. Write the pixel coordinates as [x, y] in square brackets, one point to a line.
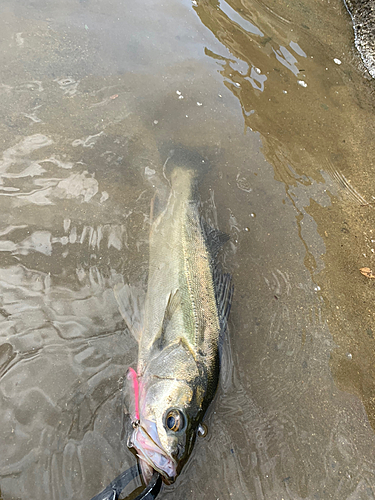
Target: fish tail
[182, 169]
[180, 158]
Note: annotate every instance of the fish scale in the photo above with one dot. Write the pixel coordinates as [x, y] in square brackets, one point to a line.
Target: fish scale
[200, 283]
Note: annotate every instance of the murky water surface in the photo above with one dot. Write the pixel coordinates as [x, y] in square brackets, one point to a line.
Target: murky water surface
[273, 94]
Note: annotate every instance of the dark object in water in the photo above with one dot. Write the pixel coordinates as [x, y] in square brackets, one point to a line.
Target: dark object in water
[363, 16]
[114, 489]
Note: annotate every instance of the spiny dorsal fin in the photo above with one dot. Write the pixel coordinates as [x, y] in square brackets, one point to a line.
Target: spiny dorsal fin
[223, 292]
[215, 239]
[223, 287]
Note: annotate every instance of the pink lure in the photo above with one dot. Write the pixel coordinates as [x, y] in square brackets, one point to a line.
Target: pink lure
[132, 375]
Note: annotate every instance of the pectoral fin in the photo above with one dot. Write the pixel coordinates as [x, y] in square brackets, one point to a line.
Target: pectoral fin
[130, 302]
[174, 302]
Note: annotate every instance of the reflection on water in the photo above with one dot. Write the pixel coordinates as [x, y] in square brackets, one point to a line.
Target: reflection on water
[308, 131]
[94, 94]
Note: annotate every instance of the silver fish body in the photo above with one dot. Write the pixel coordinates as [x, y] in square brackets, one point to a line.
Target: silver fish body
[186, 307]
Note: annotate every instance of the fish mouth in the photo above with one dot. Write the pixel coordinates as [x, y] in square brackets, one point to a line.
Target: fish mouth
[149, 450]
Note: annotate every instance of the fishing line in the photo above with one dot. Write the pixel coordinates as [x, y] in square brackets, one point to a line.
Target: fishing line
[114, 489]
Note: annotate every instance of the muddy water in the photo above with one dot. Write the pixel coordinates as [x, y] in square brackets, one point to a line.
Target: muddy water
[93, 96]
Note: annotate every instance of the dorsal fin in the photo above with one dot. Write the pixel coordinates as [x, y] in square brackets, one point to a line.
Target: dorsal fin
[215, 239]
[223, 293]
[223, 287]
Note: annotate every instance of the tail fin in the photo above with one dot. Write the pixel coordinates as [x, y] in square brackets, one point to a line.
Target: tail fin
[184, 158]
[182, 169]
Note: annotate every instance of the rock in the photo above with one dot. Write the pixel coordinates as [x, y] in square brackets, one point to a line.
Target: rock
[363, 16]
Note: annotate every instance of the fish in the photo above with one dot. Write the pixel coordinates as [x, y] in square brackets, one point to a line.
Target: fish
[179, 326]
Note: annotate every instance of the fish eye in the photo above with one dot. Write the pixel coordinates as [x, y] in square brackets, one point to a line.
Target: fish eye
[175, 420]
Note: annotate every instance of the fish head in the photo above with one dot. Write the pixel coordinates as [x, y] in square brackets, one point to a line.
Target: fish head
[168, 419]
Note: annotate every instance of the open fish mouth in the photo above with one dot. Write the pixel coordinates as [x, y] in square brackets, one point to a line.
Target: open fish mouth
[152, 453]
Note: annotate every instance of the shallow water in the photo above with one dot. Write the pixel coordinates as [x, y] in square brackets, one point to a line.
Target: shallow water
[93, 96]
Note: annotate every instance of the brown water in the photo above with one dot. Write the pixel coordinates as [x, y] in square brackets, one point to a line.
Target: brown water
[93, 94]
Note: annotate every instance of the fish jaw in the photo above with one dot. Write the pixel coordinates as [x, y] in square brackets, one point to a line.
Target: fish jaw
[151, 454]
